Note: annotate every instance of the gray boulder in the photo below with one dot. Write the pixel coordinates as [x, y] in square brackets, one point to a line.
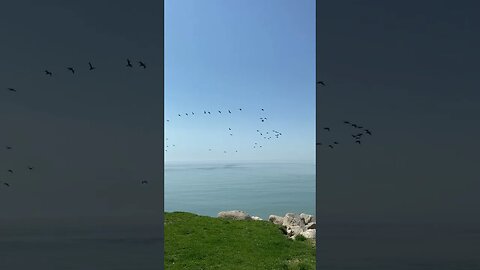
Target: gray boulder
[292, 219]
[309, 234]
[276, 219]
[307, 218]
[234, 214]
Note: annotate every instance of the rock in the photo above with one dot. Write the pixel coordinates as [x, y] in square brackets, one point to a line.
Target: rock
[276, 219]
[294, 231]
[293, 224]
[256, 218]
[307, 218]
[309, 234]
[292, 219]
[234, 214]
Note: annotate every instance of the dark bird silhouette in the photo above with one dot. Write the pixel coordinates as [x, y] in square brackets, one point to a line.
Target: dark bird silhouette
[142, 64]
[90, 65]
[168, 120]
[229, 111]
[358, 141]
[8, 147]
[240, 109]
[346, 122]
[319, 143]
[368, 132]
[71, 69]
[204, 112]
[129, 64]
[208, 112]
[179, 115]
[193, 113]
[186, 114]
[335, 142]
[354, 125]
[12, 89]
[219, 112]
[331, 146]
[263, 110]
[327, 128]
[6, 184]
[48, 73]
[144, 182]
[10, 171]
[30, 168]
[321, 82]
[229, 129]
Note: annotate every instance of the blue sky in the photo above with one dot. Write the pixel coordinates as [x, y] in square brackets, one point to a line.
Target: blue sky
[222, 55]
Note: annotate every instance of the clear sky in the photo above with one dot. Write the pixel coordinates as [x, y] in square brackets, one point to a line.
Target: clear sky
[226, 55]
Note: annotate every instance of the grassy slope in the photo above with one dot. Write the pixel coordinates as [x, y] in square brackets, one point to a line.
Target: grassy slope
[198, 242]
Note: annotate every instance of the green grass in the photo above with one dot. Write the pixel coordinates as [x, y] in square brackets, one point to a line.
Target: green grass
[197, 242]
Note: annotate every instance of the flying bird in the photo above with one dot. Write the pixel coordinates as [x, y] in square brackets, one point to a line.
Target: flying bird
[321, 82]
[331, 146]
[142, 64]
[30, 168]
[6, 184]
[358, 141]
[129, 64]
[48, 73]
[71, 69]
[10, 171]
[12, 89]
[144, 182]
[91, 67]
[8, 147]
[327, 128]
[229, 111]
[368, 132]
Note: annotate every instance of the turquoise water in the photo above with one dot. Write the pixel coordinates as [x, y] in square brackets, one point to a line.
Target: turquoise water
[260, 189]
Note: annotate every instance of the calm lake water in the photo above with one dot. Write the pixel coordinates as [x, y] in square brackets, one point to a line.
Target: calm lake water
[260, 189]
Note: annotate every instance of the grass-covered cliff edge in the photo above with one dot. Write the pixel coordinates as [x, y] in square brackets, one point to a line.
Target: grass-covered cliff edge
[200, 242]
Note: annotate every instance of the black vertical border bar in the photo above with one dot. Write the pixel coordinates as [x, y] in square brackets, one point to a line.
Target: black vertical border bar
[162, 138]
[317, 128]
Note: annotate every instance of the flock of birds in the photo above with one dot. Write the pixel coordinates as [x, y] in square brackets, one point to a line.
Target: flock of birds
[357, 137]
[91, 67]
[266, 135]
[261, 133]
[10, 171]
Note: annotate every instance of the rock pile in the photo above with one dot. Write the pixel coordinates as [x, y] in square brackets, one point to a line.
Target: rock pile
[294, 224]
[291, 224]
